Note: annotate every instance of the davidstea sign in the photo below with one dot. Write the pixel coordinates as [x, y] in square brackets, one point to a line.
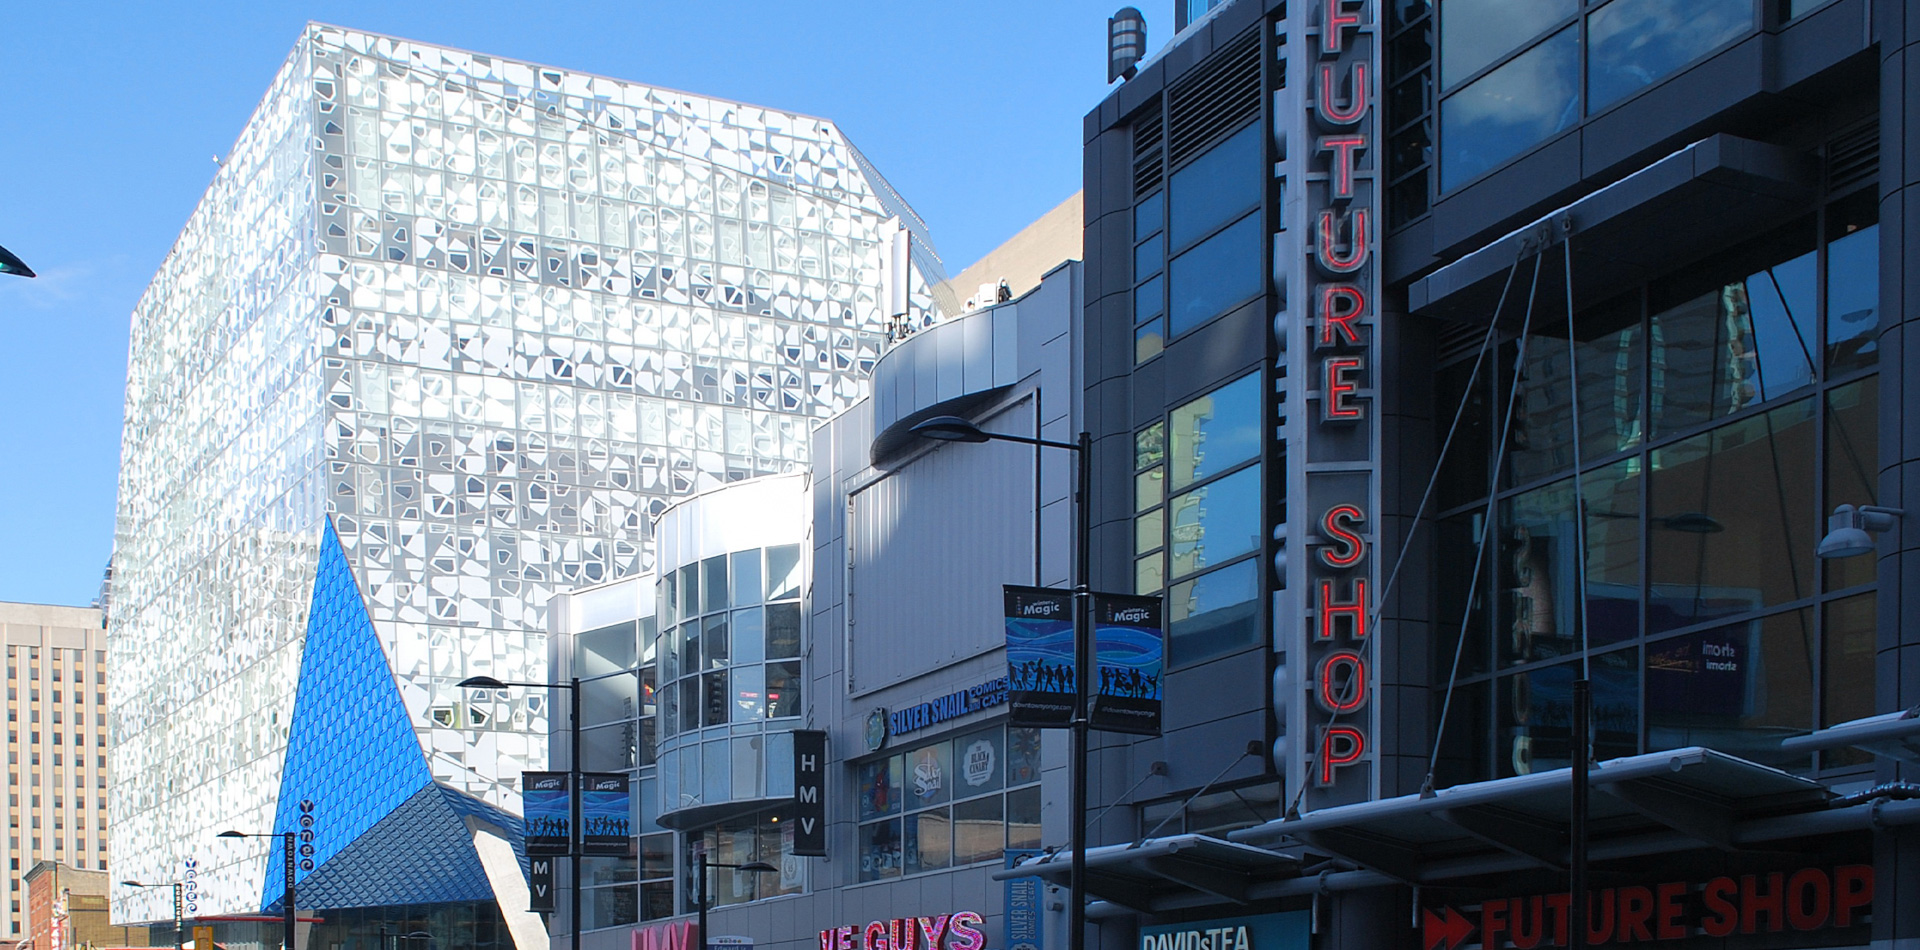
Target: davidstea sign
[1288, 931]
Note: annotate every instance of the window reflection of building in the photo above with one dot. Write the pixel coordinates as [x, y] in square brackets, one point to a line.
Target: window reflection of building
[949, 803]
[1723, 409]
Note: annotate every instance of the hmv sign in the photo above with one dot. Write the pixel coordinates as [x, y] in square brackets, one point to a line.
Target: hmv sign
[1325, 386]
[810, 793]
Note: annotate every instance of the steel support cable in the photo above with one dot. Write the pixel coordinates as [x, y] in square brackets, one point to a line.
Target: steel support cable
[1486, 529]
[1433, 480]
[1579, 476]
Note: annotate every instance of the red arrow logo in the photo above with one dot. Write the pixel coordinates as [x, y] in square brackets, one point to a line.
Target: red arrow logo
[1451, 929]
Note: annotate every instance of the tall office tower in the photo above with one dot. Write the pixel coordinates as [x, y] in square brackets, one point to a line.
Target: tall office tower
[444, 334]
[56, 746]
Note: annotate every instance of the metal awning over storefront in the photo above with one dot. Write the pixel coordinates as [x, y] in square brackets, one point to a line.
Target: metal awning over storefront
[1894, 736]
[1715, 192]
[1180, 869]
[1642, 805]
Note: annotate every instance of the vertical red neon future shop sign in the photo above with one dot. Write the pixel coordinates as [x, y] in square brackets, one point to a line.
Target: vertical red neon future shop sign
[1333, 432]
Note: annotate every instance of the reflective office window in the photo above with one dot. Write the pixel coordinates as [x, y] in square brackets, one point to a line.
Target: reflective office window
[1634, 43]
[1216, 522]
[1539, 563]
[1148, 257]
[1509, 110]
[746, 577]
[1221, 271]
[1215, 188]
[1149, 300]
[1739, 689]
[1476, 33]
[1215, 432]
[1853, 300]
[783, 571]
[1738, 343]
[1214, 614]
[1742, 533]
[1610, 349]
[1847, 670]
[1147, 214]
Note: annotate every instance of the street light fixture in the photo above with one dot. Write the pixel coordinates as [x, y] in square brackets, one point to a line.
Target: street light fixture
[757, 867]
[574, 847]
[1850, 530]
[10, 264]
[287, 840]
[179, 906]
[957, 429]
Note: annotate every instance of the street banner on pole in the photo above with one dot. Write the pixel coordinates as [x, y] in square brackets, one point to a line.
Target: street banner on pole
[1129, 649]
[606, 811]
[549, 812]
[1040, 660]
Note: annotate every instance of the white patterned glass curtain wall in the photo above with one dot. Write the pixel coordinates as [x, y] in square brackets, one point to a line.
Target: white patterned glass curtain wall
[492, 318]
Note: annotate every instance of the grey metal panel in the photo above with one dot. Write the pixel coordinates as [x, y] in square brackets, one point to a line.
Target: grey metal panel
[949, 349]
[976, 354]
[930, 546]
[1006, 346]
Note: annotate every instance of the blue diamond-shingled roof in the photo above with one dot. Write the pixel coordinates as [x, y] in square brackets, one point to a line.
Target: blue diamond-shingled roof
[351, 749]
[421, 853]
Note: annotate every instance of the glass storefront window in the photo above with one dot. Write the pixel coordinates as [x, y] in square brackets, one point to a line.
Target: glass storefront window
[963, 801]
[1509, 110]
[1635, 43]
[1539, 565]
[1611, 350]
[1847, 675]
[1215, 188]
[1218, 273]
[1740, 534]
[1476, 33]
[1853, 467]
[1213, 614]
[1536, 713]
[1739, 689]
[1214, 433]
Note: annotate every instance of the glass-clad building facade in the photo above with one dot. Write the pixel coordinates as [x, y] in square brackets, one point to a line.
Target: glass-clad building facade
[488, 319]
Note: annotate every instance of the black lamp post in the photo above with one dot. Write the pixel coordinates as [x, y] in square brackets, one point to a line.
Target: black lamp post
[179, 906]
[758, 867]
[574, 849]
[288, 841]
[956, 429]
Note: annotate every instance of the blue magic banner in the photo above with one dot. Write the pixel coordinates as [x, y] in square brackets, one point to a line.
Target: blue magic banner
[1040, 659]
[1024, 931]
[548, 810]
[1130, 651]
[606, 814]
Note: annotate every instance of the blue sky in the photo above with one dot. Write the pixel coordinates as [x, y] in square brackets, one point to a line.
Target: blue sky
[112, 114]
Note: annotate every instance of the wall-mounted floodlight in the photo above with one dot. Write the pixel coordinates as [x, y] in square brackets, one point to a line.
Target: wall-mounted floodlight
[1850, 529]
[1126, 43]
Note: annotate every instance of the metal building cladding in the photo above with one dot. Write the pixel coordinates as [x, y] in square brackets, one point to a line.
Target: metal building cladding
[1441, 354]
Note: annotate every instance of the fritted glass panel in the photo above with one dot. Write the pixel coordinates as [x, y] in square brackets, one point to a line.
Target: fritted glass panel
[1476, 33]
[1738, 689]
[1216, 522]
[1217, 273]
[1215, 432]
[1213, 614]
[1215, 188]
[1505, 112]
[1634, 43]
[1540, 565]
[1736, 523]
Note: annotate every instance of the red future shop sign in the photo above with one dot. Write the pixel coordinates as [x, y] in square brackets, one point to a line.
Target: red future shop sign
[1782, 901]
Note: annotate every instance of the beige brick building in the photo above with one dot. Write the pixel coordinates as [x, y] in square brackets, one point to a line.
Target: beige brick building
[56, 801]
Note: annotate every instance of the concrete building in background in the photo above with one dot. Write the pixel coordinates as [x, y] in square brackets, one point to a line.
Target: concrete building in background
[445, 335]
[56, 746]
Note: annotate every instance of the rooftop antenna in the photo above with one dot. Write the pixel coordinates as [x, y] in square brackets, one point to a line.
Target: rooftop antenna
[1126, 43]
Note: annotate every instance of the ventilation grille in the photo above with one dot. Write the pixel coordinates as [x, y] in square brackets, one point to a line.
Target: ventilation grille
[1456, 340]
[1149, 164]
[1853, 157]
[1220, 96]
